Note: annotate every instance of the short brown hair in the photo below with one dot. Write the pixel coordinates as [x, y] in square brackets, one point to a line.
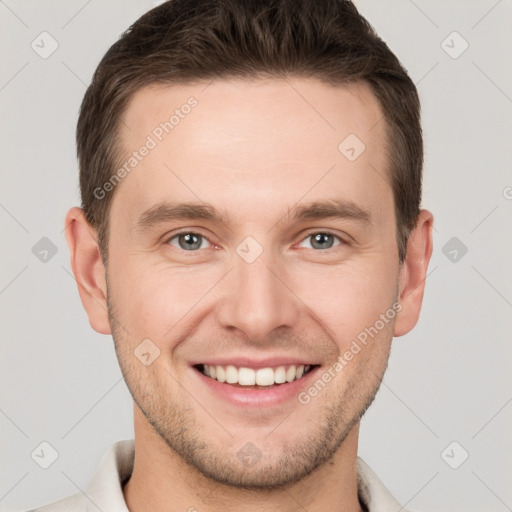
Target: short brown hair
[182, 41]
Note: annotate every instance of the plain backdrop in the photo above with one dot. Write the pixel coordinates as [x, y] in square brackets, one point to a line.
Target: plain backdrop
[438, 433]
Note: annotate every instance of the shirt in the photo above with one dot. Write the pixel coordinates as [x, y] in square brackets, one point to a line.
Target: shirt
[106, 487]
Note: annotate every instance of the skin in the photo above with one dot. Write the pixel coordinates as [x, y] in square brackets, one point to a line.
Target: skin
[255, 148]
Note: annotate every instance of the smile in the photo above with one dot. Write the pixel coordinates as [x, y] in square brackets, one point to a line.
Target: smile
[256, 378]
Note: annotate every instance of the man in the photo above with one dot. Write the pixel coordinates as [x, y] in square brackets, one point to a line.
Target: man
[251, 236]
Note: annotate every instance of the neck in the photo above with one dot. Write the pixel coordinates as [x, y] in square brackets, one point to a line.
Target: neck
[162, 481]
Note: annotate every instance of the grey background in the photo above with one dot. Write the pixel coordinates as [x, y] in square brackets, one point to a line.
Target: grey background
[448, 380]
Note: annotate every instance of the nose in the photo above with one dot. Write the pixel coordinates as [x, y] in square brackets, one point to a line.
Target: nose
[257, 299]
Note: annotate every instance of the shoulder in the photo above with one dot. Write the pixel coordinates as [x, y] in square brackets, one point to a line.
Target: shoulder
[372, 491]
[74, 503]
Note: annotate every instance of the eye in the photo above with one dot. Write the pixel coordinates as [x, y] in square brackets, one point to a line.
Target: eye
[322, 240]
[188, 241]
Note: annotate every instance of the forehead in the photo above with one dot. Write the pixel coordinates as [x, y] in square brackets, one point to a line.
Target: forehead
[237, 141]
[256, 107]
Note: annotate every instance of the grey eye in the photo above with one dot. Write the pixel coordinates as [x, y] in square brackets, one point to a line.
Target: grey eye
[188, 241]
[322, 241]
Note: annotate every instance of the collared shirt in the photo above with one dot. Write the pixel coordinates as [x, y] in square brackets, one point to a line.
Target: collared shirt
[105, 491]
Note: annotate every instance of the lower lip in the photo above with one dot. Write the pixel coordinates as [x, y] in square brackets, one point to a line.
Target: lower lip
[254, 397]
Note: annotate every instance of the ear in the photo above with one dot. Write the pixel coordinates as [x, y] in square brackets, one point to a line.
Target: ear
[88, 269]
[413, 273]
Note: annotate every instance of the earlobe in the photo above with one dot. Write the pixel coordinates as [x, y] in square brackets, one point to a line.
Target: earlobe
[414, 272]
[88, 269]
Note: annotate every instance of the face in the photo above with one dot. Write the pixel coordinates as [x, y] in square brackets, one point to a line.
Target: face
[246, 238]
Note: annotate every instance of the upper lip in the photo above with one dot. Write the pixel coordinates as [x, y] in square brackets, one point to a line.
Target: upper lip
[247, 362]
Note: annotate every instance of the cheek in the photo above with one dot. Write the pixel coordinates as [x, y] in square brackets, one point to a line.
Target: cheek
[351, 298]
[155, 301]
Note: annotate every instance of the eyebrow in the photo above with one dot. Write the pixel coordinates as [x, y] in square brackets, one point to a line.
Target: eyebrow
[316, 210]
[168, 211]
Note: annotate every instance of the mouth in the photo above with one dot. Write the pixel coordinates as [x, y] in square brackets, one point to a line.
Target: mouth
[256, 378]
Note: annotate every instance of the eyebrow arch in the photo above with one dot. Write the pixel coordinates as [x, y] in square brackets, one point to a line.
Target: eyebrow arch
[169, 211]
[332, 208]
[316, 210]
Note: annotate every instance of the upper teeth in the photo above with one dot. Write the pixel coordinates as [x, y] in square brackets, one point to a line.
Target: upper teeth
[249, 377]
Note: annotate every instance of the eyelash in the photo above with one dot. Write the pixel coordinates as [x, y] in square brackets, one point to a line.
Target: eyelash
[308, 235]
